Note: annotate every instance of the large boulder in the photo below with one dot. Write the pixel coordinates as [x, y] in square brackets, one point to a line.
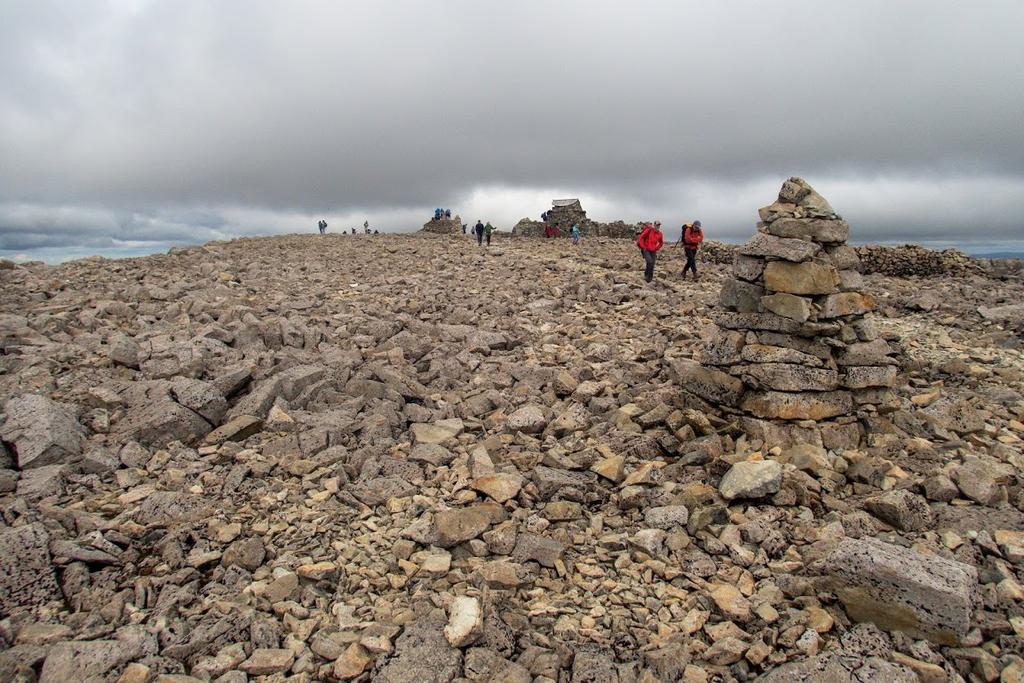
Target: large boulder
[808, 405]
[707, 383]
[811, 277]
[827, 231]
[925, 596]
[42, 431]
[26, 575]
[779, 248]
[422, 654]
[754, 479]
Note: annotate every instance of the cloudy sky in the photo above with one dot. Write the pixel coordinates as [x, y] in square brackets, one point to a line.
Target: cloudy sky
[134, 124]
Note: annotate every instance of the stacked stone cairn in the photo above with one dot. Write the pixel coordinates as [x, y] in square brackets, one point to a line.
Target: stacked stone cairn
[796, 353]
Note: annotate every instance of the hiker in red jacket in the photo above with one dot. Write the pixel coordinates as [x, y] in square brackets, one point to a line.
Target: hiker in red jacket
[692, 236]
[650, 241]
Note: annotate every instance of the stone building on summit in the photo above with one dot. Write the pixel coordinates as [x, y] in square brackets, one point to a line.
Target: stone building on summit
[563, 214]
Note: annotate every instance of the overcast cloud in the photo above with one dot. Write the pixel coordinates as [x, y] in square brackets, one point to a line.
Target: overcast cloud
[135, 124]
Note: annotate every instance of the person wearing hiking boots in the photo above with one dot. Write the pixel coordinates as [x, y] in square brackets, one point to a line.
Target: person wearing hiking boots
[650, 241]
[692, 236]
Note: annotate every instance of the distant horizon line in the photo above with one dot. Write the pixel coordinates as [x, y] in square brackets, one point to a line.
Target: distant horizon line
[56, 255]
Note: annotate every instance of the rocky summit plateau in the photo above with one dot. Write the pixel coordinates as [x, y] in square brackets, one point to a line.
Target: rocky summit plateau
[412, 459]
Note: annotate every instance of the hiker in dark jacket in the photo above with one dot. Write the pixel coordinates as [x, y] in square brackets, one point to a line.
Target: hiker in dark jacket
[650, 242]
[691, 238]
[479, 228]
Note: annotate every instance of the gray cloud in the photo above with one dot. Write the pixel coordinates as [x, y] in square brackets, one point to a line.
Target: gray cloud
[186, 121]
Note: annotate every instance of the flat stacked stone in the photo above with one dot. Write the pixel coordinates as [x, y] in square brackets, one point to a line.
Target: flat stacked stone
[795, 327]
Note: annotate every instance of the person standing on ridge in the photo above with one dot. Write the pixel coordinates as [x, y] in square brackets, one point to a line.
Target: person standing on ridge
[479, 229]
[691, 238]
[464, 227]
[575, 233]
[366, 227]
[488, 229]
[650, 242]
[322, 224]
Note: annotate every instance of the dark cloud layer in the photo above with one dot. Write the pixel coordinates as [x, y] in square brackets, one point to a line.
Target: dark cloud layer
[185, 121]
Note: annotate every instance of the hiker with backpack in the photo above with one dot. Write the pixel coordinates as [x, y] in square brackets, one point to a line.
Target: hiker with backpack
[479, 230]
[691, 238]
[322, 225]
[650, 242]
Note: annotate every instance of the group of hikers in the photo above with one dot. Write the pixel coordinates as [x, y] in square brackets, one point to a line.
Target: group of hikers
[651, 240]
[551, 232]
[322, 224]
[483, 232]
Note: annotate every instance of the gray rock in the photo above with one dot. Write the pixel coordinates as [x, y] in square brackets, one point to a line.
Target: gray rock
[790, 306]
[788, 377]
[200, 397]
[421, 655]
[378, 490]
[751, 479]
[826, 231]
[867, 376]
[163, 421]
[902, 509]
[811, 277]
[431, 453]
[592, 665]
[459, 525]
[529, 419]
[238, 428]
[725, 348]
[876, 352]
[551, 481]
[438, 432]
[809, 405]
[748, 268]
[924, 596]
[295, 380]
[8, 480]
[837, 668]
[708, 383]
[791, 250]
[26, 575]
[124, 351]
[977, 480]
[99, 460]
[741, 296]
[544, 551]
[173, 507]
[247, 553]
[85, 660]
[843, 257]
[845, 303]
[42, 482]
[42, 431]
[769, 322]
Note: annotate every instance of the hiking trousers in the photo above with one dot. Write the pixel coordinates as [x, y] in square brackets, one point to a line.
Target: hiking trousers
[691, 262]
[649, 258]
[479, 237]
